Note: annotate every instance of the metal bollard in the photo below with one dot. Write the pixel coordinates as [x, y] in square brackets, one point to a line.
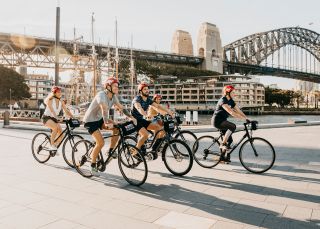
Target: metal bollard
[6, 118]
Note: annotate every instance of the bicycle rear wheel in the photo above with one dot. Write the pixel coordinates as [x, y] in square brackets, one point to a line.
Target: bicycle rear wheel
[206, 152]
[67, 148]
[134, 169]
[187, 136]
[81, 157]
[257, 155]
[177, 157]
[40, 147]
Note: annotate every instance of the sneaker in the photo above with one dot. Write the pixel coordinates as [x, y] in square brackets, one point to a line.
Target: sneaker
[227, 158]
[95, 171]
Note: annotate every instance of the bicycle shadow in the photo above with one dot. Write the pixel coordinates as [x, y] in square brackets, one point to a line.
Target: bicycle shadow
[210, 206]
[201, 203]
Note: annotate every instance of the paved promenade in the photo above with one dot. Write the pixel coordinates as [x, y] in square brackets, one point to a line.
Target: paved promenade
[51, 195]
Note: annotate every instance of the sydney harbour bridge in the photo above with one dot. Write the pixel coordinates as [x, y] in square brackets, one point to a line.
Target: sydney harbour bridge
[291, 52]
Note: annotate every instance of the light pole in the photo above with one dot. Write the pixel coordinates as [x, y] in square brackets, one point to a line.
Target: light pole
[10, 97]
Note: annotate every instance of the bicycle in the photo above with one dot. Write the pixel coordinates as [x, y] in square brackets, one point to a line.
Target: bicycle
[184, 135]
[173, 151]
[130, 159]
[256, 154]
[40, 145]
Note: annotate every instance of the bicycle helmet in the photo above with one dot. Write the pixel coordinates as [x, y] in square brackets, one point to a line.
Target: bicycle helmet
[55, 89]
[142, 85]
[111, 80]
[156, 96]
[229, 88]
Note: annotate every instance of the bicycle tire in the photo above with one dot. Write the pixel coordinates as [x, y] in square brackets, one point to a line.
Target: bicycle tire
[67, 155]
[253, 142]
[206, 151]
[187, 136]
[132, 164]
[43, 147]
[173, 144]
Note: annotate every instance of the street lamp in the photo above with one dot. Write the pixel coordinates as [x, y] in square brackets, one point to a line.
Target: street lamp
[10, 96]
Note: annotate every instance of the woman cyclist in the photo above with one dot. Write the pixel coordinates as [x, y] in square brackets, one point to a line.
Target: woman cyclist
[225, 107]
[50, 116]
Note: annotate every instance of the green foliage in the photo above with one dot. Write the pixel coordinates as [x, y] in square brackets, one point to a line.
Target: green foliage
[281, 97]
[155, 70]
[10, 79]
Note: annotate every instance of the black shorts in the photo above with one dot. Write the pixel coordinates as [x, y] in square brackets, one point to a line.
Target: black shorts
[46, 118]
[93, 126]
[142, 123]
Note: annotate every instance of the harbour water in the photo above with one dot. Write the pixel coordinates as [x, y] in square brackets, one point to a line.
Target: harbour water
[264, 119]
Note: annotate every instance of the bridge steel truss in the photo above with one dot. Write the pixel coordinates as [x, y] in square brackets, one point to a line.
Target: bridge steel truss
[35, 52]
[245, 55]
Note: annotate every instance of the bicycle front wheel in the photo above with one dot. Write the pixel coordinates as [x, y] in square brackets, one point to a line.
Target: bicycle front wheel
[206, 152]
[40, 147]
[67, 148]
[132, 165]
[177, 157]
[257, 155]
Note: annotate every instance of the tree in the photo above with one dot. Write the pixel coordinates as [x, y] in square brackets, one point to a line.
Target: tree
[10, 79]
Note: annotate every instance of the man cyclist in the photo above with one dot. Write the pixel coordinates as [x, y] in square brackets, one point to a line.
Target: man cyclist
[139, 108]
[97, 118]
[225, 107]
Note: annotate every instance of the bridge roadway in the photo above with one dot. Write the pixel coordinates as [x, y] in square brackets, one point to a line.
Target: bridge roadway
[51, 195]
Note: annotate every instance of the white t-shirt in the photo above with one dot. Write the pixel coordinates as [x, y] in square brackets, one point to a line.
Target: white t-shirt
[94, 112]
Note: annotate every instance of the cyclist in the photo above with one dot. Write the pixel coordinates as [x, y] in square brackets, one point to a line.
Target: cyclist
[152, 111]
[139, 108]
[97, 117]
[50, 118]
[225, 107]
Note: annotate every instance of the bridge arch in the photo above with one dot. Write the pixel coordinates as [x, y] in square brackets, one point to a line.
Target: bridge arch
[255, 48]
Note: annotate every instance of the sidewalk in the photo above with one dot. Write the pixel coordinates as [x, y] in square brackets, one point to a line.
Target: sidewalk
[51, 195]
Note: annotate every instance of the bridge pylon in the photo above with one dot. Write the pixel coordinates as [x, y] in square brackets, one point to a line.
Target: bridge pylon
[210, 48]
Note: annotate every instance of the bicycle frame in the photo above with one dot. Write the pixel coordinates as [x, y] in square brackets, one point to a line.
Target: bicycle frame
[67, 130]
[246, 135]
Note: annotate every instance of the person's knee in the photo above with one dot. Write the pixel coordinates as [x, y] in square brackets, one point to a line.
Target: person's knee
[100, 144]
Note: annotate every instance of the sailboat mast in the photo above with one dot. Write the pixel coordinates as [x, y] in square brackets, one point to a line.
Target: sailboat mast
[117, 51]
[93, 56]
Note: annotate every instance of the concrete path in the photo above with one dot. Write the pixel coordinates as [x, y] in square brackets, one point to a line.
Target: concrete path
[51, 195]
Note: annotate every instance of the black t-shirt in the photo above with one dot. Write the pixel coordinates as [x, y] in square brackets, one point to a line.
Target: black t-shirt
[144, 104]
[220, 112]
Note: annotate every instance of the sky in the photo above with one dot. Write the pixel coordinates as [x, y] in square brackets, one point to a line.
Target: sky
[152, 23]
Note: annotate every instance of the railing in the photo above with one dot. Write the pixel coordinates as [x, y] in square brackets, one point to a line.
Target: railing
[22, 114]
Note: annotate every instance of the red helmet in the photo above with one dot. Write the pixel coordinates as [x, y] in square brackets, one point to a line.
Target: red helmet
[142, 85]
[111, 80]
[229, 88]
[55, 89]
[156, 96]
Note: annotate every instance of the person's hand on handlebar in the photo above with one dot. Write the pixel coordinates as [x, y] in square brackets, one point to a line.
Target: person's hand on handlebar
[248, 120]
